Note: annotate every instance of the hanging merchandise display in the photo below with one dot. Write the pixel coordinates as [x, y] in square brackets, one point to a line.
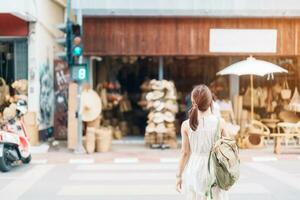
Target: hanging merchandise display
[110, 93]
[4, 91]
[8, 103]
[161, 101]
[125, 105]
[285, 92]
[295, 101]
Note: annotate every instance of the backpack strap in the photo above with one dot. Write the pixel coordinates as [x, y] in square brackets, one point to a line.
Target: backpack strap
[217, 137]
[212, 182]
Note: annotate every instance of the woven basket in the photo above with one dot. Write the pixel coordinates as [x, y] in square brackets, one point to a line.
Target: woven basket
[103, 139]
[286, 92]
[90, 140]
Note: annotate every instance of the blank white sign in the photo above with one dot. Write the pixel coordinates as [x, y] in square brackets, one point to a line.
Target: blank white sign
[243, 40]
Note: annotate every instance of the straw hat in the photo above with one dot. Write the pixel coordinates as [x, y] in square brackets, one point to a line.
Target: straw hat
[151, 116]
[169, 117]
[171, 95]
[150, 128]
[157, 85]
[10, 112]
[158, 117]
[158, 105]
[155, 95]
[90, 107]
[170, 125]
[20, 86]
[170, 85]
[161, 128]
[172, 106]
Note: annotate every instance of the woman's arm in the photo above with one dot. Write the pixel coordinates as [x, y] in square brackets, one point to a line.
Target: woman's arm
[185, 154]
[223, 127]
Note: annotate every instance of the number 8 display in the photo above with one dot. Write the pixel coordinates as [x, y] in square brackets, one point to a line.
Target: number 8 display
[81, 74]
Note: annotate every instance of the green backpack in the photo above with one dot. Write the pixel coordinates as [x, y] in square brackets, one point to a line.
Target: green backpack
[225, 161]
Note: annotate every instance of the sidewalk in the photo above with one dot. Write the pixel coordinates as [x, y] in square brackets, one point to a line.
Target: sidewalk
[134, 151]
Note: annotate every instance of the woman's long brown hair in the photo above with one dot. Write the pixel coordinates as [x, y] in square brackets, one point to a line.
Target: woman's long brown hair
[201, 100]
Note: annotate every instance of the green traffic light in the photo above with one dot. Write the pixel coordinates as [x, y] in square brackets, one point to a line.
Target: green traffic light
[77, 51]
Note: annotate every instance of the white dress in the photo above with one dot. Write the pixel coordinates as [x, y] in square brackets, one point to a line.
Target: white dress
[196, 176]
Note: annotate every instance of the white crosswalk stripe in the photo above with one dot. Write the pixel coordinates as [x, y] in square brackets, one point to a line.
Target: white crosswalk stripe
[141, 179]
[264, 158]
[81, 161]
[169, 160]
[119, 190]
[15, 189]
[41, 161]
[130, 176]
[126, 160]
[129, 167]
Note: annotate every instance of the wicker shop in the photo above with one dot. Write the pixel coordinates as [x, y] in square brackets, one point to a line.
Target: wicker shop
[144, 69]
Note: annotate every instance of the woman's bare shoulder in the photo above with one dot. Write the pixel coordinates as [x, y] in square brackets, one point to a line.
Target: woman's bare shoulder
[185, 125]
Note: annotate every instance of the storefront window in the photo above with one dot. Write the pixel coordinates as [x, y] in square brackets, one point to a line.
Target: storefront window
[13, 60]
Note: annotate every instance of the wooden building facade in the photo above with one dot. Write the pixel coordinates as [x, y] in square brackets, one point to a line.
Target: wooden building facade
[178, 36]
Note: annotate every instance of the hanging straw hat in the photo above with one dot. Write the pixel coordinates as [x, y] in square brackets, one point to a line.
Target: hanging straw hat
[172, 106]
[161, 128]
[171, 95]
[155, 95]
[150, 128]
[169, 117]
[151, 116]
[90, 107]
[158, 105]
[157, 85]
[158, 118]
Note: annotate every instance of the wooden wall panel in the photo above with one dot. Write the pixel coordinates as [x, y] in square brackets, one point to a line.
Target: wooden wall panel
[176, 36]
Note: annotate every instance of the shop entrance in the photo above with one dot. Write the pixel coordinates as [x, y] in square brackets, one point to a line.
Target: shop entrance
[6, 61]
[122, 84]
[120, 81]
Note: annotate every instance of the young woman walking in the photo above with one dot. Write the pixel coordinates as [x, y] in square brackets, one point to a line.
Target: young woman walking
[198, 136]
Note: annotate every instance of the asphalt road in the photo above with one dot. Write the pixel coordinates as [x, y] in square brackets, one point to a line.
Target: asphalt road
[260, 180]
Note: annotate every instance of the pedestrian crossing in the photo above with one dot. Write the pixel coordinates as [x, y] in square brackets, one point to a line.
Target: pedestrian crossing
[136, 181]
[15, 189]
[133, 181]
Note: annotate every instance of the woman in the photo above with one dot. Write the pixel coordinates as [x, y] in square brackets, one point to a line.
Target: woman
[198, 136]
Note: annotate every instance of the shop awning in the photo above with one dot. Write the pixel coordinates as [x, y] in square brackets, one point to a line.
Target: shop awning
[196, 8]
[12, 26]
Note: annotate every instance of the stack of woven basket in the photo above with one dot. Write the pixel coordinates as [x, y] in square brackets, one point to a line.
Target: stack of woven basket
[162, 104]
[98, 139]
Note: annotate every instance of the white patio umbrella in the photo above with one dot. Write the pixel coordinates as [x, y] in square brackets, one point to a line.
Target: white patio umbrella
[252, 66]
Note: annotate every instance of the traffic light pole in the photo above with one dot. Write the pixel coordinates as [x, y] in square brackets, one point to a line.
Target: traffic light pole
[79, 149]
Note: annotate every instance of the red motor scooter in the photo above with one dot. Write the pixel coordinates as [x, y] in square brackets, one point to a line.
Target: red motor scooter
[14, 141]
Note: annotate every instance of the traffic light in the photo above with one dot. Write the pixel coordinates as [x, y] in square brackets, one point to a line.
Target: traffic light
[77, 48]
[65, 42]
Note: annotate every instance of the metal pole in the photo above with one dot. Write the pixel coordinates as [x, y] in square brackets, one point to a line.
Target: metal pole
[161, 68]
[68, 9]
[79, 149]
[252, 99]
